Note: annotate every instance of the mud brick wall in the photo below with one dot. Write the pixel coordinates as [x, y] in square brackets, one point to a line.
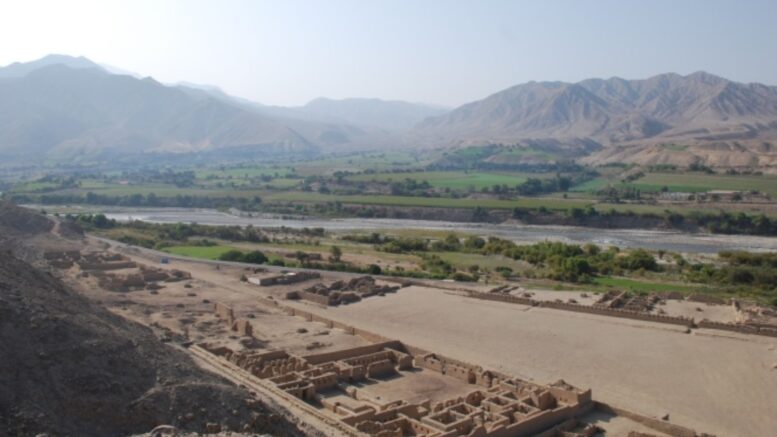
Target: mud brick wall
[224, 312]
[317, 298]
[650, 422]
[113, 265]
[613, 312]
[243, 327]
[682, 321]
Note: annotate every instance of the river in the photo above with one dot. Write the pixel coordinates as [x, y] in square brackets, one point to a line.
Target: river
[650, 239]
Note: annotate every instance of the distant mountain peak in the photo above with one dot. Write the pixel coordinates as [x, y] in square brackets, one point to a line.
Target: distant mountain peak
[704, 76]
[19, 69]
[699, 108]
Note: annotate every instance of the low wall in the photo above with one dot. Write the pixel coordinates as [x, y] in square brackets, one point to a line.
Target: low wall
[505, 298]
[113, 265]
[650, 422]
[682, 321]
[612, 312]
[313, 297]
[361, 350]
[740, 328]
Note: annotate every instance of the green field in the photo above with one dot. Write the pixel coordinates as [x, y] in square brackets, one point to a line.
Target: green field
[693, 182]
[204, 252]
[440, 202]
[161, 190]
[448, 179]
[34, 186]
[244, 172]
[591, 185]
[551, 203]
[358, 162]
[463, 260]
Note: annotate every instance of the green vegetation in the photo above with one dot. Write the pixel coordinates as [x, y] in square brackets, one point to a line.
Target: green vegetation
[700, 182]
[203, 252]
[491, 183]
[449, 179]
[252, 257]
[457, 257]
[639, 286]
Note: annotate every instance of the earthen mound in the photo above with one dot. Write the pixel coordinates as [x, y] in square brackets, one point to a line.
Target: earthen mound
[16, 221]
[70, 367]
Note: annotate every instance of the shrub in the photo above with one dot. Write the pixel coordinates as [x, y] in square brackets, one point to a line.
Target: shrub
[255, 257]
[232, 255]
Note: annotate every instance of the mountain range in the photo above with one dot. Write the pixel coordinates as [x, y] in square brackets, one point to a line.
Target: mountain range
[667, 118]
[64, 108]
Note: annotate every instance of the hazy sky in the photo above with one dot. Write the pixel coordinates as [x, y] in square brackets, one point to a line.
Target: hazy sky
[445, 52]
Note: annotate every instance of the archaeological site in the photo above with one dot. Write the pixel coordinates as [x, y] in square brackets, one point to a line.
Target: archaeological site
[340, 354]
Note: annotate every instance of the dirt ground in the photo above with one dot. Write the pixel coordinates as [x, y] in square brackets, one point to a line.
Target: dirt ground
[711, 381]
[565, 296]
[717, 313]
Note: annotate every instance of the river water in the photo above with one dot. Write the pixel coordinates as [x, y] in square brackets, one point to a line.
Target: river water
[649, 239]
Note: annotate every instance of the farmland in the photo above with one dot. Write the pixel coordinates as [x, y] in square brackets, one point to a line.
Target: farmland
[694, 182]
[450, 179]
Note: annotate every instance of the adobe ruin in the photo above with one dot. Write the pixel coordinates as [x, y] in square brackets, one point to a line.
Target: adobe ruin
[335, 385]
[224, 312]
[342, 292]
[115, 272]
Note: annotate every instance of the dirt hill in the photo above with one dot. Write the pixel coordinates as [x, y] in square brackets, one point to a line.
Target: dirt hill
[71, 368]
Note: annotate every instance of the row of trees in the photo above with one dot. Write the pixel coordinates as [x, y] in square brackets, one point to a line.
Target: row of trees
[565, 262]
[251, 203]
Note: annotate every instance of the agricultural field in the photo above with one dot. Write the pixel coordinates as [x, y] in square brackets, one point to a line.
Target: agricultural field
[552, 203]
[202, 252]
[693, 182]
[439, 202]
[592, 185]
[459, 180]
[638, 285]
[358, 162]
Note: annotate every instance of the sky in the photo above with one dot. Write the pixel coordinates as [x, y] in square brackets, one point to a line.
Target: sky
[287, 52]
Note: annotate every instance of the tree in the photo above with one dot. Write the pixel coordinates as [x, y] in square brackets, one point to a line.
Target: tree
[255, 257]
[336, 254]
[473, 242]
[232, 255]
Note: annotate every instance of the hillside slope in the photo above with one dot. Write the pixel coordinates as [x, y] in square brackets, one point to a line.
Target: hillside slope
[71, 368]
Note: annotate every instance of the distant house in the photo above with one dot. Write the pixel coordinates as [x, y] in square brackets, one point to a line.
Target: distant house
[676, 196]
